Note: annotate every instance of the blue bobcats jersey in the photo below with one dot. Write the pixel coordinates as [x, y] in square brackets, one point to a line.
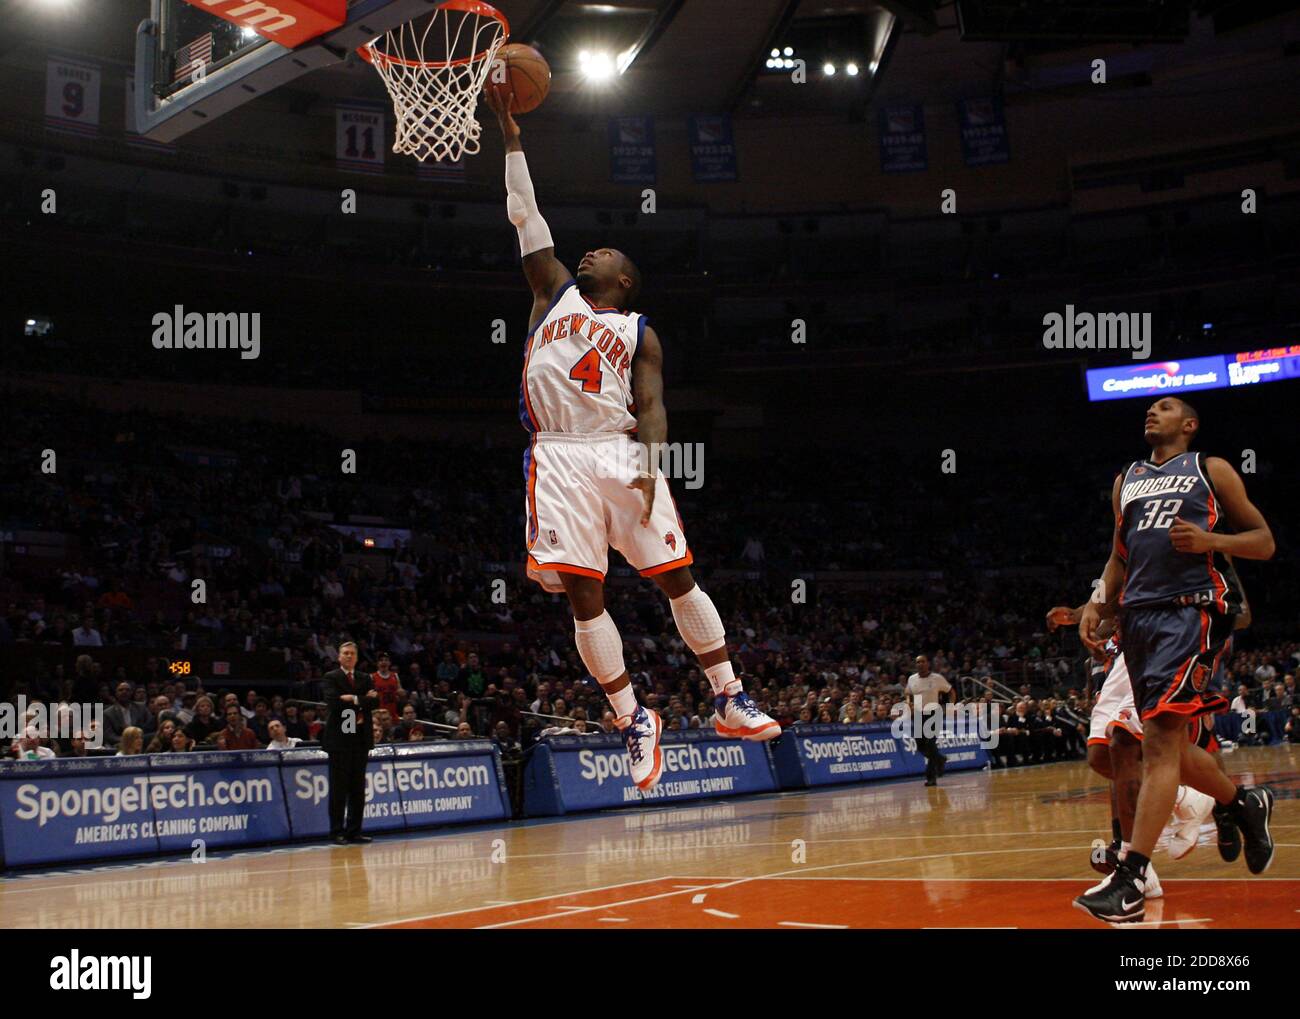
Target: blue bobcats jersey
[1151, 498]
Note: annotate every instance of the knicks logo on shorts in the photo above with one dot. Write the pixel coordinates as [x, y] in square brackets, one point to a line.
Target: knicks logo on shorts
[554, 539]
[670, 540]
[1200, 678]
[1124, 715]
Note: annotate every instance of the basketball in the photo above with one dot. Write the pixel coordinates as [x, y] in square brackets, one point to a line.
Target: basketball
[527, 76]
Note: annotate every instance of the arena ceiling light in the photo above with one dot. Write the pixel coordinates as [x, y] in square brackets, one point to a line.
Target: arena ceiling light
[596, 65]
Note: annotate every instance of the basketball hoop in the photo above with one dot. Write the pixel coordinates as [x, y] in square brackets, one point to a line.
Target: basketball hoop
[434, 69]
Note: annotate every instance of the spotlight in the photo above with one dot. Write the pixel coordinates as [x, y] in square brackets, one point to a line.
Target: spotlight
[828, 69]
[598, 66]
[789, 51]
[851, 70]
[775, 52]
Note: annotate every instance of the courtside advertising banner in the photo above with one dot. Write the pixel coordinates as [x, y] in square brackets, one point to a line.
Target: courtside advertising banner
[413, 786]
[101, 807]
[75, 809]
[571, 773]
[224, 798]
[829, 754]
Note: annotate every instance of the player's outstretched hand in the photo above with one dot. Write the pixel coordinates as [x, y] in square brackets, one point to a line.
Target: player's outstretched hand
[1060, 615]
[498, 100]
[646, 484]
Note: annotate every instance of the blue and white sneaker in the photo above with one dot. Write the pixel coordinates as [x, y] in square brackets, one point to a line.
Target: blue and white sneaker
[738, 716]
[641, 732]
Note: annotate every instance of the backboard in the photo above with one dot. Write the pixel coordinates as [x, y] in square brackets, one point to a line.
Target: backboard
[199, 59]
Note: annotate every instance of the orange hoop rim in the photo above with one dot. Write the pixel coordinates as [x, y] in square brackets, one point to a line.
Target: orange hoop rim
[375, 56]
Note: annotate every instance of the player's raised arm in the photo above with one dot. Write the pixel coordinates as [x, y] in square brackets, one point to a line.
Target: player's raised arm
[1253, 540]
[651, 417]
[544, 272]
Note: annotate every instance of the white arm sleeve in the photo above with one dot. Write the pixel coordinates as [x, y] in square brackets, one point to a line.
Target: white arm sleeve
[521, 206]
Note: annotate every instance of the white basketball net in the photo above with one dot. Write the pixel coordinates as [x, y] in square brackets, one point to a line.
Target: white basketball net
[434, 69]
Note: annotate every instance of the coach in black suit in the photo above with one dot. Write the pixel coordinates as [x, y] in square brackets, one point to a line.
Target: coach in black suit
[347, 738]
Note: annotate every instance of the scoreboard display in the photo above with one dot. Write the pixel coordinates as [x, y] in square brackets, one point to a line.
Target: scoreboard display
[1169, 378]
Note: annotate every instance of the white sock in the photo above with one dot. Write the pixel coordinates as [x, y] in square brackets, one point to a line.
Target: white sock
[623, 702]
[723, 679]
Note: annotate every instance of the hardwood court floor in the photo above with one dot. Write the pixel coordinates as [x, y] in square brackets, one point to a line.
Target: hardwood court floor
[876, 856]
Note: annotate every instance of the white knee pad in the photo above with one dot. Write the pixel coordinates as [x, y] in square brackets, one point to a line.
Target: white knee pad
[698, 621]
[600, 647]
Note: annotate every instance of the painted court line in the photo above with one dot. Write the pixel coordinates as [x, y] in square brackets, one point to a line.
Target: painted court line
[575, 911]
[697, 899]
[1159, 923]
[516, 902]
[725, 916]
[823, 926]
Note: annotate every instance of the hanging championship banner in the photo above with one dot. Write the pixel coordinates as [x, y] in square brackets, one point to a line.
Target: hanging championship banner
[713, 150]
[72, 96]
[632, 150]
[983, 131]
[902, 139]
[359, 138]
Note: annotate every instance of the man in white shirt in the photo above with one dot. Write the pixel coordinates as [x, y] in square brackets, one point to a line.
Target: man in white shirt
[925, 691]
[279, 741]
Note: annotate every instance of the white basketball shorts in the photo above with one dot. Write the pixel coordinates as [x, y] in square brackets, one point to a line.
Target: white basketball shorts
[577, 504]
[1114, 705]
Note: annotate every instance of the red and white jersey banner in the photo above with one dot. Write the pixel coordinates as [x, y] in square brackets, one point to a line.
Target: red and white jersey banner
[360, 138]
[288, 22]
[72, 96]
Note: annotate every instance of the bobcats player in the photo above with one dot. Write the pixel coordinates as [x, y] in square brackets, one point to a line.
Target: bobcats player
[1177, 599]
[592, 398]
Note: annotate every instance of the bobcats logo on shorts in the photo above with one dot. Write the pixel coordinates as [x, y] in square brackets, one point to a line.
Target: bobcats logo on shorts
[1200, 678]
[1124, 715]
[670, 540]
[554, 539]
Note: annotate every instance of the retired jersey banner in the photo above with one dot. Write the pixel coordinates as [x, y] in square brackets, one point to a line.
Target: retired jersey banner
[983, 131]
[72, 96]
[713, 150]
[359, 138]
[632, 150]
[591, 772]
[902, 139]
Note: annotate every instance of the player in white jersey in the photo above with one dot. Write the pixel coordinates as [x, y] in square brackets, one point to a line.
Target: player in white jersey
[592, 399]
